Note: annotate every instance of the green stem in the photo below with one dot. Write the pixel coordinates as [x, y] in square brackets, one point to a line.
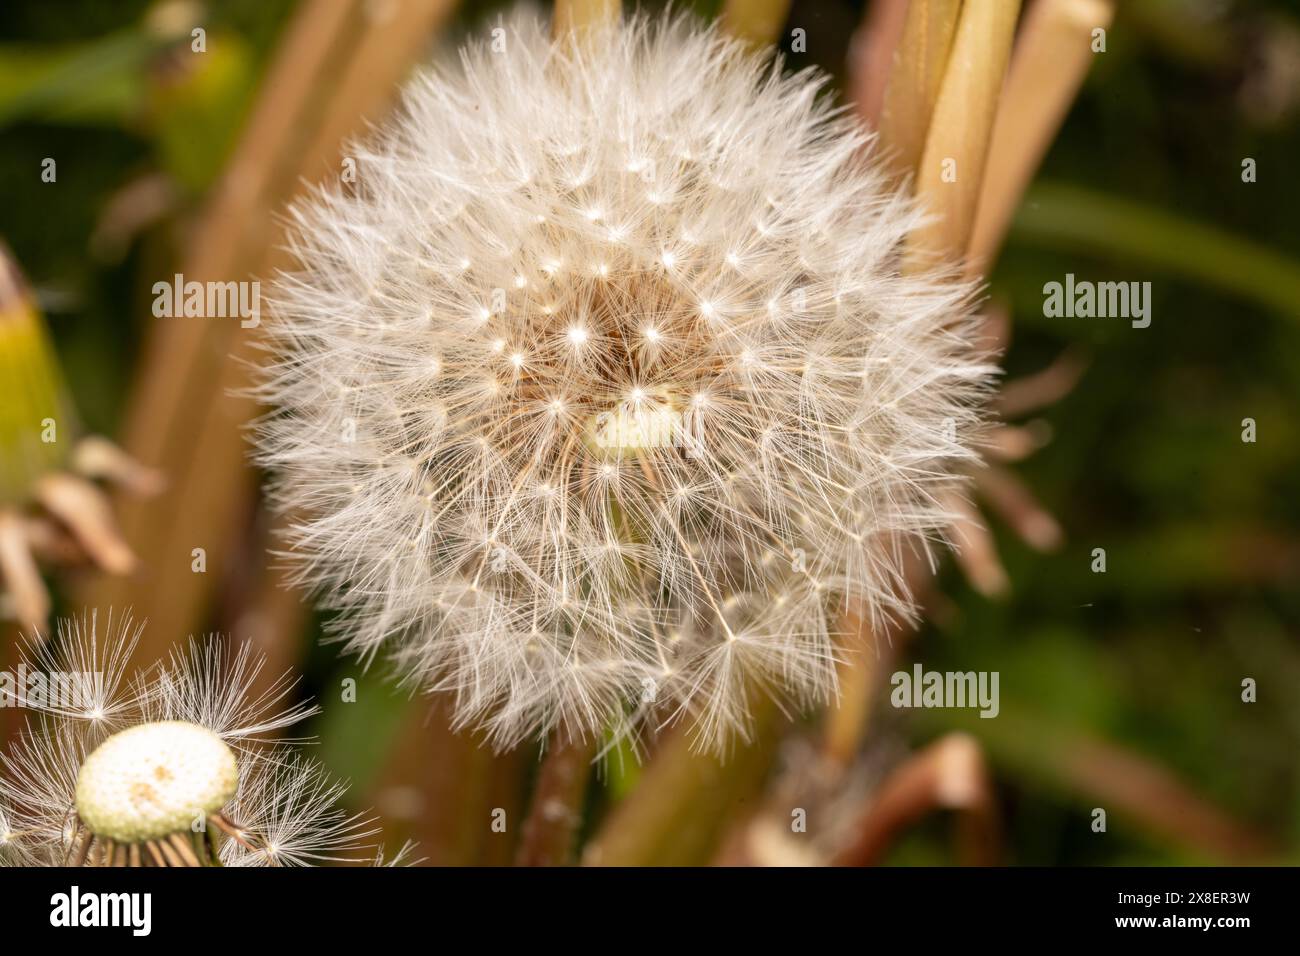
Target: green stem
[680, 810]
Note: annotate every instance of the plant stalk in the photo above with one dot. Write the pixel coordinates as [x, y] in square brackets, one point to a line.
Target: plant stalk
[952, 164]
[551, 829]
[915, 77]
[1051, 59]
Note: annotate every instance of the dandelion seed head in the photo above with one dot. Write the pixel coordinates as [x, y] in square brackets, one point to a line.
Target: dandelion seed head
[719, 375]
[190, 756]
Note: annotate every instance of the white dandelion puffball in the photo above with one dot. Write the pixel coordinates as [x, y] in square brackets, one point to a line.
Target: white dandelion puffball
[601, 393]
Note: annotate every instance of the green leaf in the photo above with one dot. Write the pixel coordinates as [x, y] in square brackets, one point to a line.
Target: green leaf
[1076, 219]
[98, 82]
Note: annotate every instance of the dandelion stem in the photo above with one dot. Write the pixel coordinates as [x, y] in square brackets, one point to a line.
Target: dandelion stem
[952, 164]
[679, 812]
[868, 655]
[871, 56]
[846, 724]
[335, 70]
[914, 81]
[558, 798]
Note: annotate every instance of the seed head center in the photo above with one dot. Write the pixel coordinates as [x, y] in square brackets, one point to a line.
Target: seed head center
[153, 780]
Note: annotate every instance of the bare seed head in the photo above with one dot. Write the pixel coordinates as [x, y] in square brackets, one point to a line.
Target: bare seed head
[154, 780]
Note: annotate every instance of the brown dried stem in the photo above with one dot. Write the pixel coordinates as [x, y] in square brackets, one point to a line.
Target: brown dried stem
[1051, 59]
[914, 81]
[552, 825]
[338, 67]
[871, 57]
[952, 163]
[950, 774]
